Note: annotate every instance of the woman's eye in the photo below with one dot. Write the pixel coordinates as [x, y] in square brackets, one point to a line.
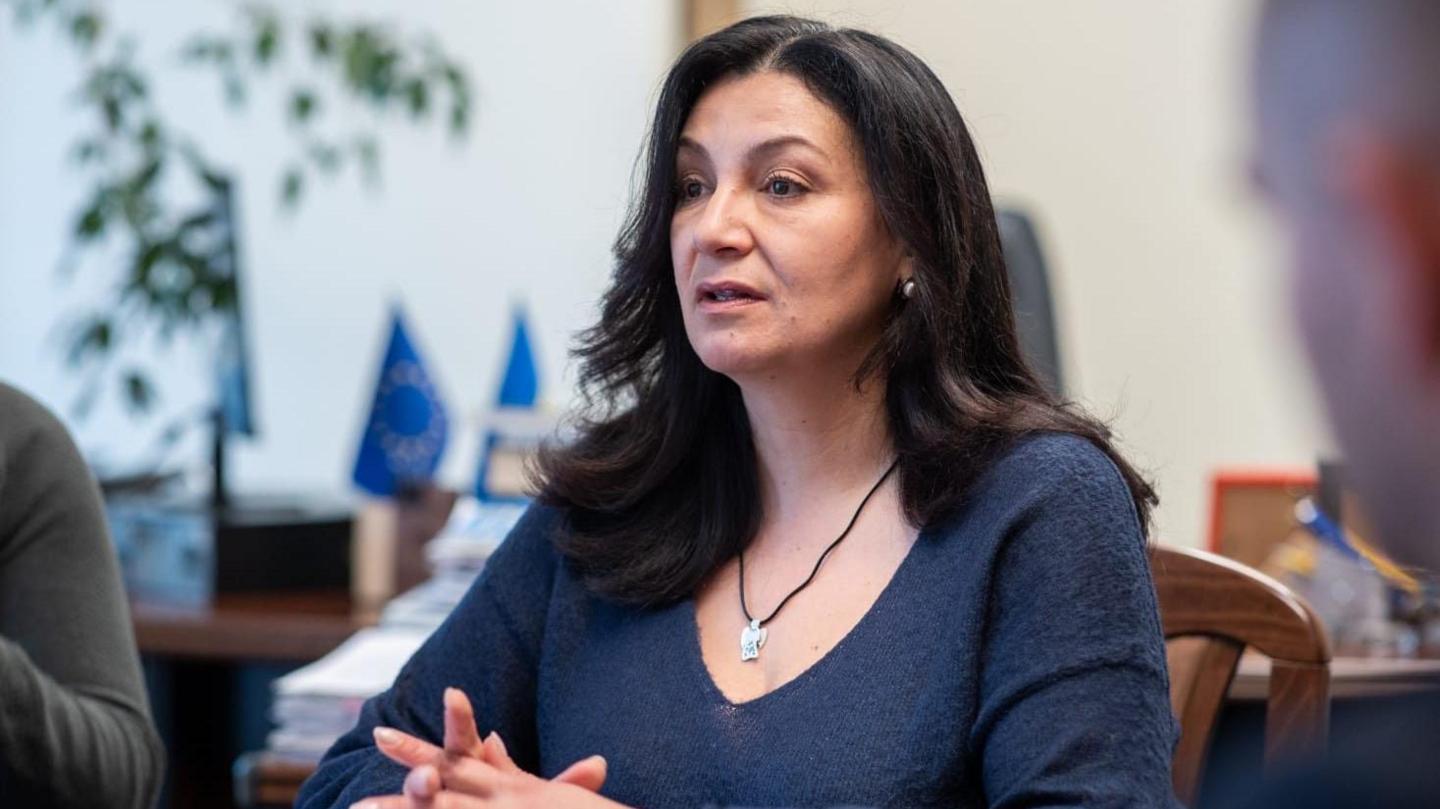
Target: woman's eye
[691, 189]
[783, 187]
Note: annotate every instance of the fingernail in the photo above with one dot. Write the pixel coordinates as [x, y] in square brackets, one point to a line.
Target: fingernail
[423, 781]
[454, 699]
[385, 736]
[501, 742]
[365, 805]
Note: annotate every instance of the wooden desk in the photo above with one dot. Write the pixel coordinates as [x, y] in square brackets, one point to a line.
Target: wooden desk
[209, 669]
[263, 780]
[295, 627]
[1350, 678]
[1361, 689]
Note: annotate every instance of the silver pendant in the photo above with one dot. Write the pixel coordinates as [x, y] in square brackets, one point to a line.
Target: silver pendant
[752, 638]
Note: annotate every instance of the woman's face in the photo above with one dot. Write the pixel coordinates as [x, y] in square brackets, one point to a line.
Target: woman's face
[782, 261]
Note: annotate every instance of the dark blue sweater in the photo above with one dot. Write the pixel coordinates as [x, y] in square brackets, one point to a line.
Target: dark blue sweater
[1014, 660]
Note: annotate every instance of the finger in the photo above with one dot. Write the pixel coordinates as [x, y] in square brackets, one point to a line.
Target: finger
[470, 776]
[458, 800]
[586, 773]
[421, 786]
[406, 750]
[465, 773]
[384, 802]
[461, 737]
[497, 756]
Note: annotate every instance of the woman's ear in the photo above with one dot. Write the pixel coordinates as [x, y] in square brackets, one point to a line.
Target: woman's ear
[906, 268]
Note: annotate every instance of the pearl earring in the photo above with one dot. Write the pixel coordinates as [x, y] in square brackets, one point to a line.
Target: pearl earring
[907, 288]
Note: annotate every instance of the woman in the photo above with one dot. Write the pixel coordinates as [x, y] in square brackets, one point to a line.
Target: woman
[822, 538]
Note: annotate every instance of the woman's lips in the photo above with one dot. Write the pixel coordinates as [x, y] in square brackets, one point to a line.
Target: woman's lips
[717, 305]
[724, 296]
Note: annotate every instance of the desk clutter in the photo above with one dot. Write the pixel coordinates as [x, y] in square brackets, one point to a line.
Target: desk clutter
[185, 551]
[316, 704]
[1307, 531]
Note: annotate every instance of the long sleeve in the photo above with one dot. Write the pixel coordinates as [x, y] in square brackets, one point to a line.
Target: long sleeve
[75, 727]
[489, 647]
[1074, 705]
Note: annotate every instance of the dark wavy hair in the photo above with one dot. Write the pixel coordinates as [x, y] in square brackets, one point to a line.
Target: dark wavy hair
[660, 485]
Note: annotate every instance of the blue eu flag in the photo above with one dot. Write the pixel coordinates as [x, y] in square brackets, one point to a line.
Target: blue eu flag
[406, 432]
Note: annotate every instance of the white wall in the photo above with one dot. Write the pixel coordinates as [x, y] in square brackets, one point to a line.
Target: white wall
[1121, 124]
[526, 210]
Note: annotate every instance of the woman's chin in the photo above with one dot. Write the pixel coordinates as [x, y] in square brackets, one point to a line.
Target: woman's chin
[736, 362]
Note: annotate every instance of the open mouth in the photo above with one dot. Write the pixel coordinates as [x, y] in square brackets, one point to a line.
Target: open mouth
[727, 295]
[727, 292]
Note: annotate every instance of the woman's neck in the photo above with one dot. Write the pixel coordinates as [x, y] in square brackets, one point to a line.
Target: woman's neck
[816, 442]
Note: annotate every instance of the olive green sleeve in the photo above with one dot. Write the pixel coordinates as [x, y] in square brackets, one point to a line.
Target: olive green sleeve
[75, 726]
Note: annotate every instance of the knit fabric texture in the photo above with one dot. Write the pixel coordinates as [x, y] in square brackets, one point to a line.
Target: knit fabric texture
[75, 727]
[1014, 660]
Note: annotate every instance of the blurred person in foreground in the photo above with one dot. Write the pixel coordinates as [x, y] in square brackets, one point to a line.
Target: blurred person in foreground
[1347, 99]
[75, 728]
[823, 538]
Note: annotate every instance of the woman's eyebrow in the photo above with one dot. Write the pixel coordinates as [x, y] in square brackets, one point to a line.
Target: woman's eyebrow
[763, 149]
[689, 144]
[770, 146]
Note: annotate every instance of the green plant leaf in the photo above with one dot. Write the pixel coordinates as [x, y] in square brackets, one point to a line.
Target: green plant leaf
[214, 180]
[302, 106]
[459, 87]
[150, 135]
[223, 293]
[417, 96]
[291, 187]
[139, 391]
[85, 28]
[147, 255]
[145, 177]
[113, 111]
[203, 219]
[93, 337]
[91, 223]
[267, 39]
[322, 40]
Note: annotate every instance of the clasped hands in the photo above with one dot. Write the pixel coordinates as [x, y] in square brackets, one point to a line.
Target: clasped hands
[471, 773]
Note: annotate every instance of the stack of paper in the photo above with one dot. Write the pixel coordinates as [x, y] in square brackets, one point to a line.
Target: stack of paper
[315, 705]
[456, 557]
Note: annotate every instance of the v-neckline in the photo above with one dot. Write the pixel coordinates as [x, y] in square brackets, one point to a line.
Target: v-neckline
[697, 650]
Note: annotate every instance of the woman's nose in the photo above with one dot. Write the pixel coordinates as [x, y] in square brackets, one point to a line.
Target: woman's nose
[724, 224]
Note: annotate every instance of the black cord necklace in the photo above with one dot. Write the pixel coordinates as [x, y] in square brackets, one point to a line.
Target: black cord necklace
[752, 637]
